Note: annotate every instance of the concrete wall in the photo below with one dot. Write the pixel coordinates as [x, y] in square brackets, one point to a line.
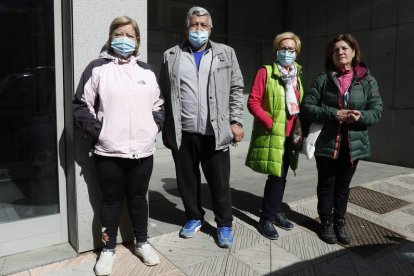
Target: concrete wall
[249, 29]
[91, 20]
[385, 31]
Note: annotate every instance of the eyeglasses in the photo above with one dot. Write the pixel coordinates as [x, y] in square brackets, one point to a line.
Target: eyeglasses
[290, 50]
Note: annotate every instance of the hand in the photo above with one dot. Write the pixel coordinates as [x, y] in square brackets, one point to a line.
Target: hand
[342, 115]
[238, 132]
[348, 116]
[353, 116]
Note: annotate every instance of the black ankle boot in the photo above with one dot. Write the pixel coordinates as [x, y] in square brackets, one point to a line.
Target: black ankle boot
[327, 233]
[340, 232]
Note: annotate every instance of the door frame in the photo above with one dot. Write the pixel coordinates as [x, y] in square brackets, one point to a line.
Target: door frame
[38, 232]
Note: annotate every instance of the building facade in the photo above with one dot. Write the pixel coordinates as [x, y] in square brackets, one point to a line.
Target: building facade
[48, 189]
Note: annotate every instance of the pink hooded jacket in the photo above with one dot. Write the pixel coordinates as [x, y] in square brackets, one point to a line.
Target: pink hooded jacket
[118, 103]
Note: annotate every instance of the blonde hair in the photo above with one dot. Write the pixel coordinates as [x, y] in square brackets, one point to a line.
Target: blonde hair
[119, 22]
[287, 35]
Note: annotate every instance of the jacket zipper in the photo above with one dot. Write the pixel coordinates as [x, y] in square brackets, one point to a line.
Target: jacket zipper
[338, 135]
[198, 96]
[349, 140]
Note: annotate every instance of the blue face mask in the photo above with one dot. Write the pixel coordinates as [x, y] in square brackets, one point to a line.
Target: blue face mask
[198, 38]
[285, 58]
[123, 46]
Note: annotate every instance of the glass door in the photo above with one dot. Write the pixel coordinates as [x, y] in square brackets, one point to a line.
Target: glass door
[32, 184]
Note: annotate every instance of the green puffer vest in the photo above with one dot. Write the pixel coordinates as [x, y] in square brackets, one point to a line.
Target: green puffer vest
[266, 149]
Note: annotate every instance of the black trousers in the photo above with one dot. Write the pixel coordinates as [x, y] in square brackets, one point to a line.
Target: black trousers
[275, 189]
[334, 178]
[199, 149]
[120, 177]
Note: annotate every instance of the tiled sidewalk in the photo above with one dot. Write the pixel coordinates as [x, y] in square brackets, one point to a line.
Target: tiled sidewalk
[296, 252]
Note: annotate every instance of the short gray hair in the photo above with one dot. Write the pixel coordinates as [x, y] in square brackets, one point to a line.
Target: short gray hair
[199, 11]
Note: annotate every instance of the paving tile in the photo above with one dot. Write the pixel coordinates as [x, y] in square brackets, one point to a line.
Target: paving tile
[128, 263]
[398, 262]
[81, 265]
[399, 219]
[36, 258]
[307, 208]
[309, 270]
[176, 272]
[187, 252]
[245, 218]
[308, 246]
[401, 186]
[266, 258]
[23, 273]
[347, 264]
[245, 237]
[341, 265]
[391, 188]
[409, 210]
[408, 179]
[225, 264]
[410, 228]
[83, 269]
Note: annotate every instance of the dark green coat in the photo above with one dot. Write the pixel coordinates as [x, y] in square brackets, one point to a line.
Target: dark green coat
[364, 96]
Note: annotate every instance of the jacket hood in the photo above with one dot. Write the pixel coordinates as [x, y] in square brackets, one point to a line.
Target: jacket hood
[361, 71]
[106, 55]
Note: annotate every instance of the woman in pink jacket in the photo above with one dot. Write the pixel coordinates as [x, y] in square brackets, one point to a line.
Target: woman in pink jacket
[118, 103]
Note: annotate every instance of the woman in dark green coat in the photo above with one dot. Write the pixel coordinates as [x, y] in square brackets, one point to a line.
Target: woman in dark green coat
[345, 99]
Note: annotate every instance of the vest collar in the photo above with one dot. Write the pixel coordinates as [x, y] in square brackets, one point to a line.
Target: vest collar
[276, 72]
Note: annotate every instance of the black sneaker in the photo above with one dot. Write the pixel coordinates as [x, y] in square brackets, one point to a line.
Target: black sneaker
[282, 222]
[268, 229]
[340, 232]
[327, 232]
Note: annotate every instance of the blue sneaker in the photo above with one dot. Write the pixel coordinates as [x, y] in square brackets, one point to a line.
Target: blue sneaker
[224, 236]
[191, 228]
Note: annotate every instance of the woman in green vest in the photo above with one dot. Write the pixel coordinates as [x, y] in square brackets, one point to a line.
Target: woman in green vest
[274, 102]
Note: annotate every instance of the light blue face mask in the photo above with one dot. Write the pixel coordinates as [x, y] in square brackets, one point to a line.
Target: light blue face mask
[198, 38]
[285, 58]
[123, 46]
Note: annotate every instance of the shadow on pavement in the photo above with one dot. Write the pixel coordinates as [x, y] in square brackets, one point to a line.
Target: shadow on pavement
[243, 202]
[380, 263]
